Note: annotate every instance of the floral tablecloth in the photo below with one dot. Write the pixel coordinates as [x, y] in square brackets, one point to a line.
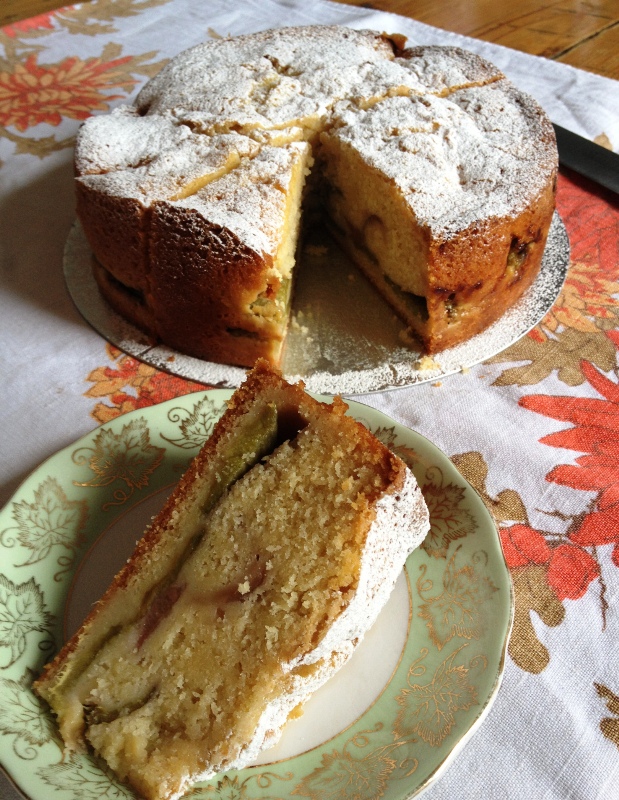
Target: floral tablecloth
[534, 429]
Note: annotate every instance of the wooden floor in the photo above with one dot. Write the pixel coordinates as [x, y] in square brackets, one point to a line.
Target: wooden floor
[584, 33]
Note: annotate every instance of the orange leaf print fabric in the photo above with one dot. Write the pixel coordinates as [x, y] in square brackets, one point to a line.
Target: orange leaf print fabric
[131, 384]
[595, 433]
[570, 571]
[592, 222]
[586, 300]
[41, 21]
[569, 568]
[32, 93]
[524, 545]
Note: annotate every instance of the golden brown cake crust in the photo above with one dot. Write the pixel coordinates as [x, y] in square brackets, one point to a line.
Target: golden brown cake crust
[489, 290]
[215, 278]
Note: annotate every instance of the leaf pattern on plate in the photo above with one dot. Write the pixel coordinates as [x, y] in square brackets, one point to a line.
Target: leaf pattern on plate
[22, 715]
[341, 776]
[353, 773]
[22, 612]
[127, 456]
[195, 425]
[429, 709]
[52, 520]
[230, 787]
[461, 608]
[449, 520]
[84, 779]
[388, 437]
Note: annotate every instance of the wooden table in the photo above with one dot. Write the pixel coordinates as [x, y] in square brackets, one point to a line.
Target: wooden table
[583, 33]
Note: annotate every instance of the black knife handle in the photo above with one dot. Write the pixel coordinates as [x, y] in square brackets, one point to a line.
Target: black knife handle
[588, 159]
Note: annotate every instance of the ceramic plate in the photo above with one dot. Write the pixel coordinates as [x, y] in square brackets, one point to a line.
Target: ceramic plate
[344, 339]
[383, 727]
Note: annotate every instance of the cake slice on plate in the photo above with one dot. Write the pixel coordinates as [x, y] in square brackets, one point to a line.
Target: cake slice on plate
[257, 580]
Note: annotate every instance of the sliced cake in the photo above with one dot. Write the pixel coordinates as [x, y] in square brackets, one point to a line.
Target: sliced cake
[433, 171]
[257, 580]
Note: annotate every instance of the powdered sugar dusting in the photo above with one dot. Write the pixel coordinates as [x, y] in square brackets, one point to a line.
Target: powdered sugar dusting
[442, 70]
[458, 139]
[165, 166]
[124, 139]
[268, 79]
[251, 200]
[451, 162]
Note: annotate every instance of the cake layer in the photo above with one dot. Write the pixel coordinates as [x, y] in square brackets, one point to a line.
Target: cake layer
[221, 260]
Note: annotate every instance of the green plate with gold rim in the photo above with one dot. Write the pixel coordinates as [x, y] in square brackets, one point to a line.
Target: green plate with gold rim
[384, 727]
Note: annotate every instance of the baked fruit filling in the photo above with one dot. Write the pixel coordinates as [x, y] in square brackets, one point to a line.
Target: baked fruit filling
[255, 437]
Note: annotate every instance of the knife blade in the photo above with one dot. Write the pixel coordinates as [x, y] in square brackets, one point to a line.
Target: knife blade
[587, 158]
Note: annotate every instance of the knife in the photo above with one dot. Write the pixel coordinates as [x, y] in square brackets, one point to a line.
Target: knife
[587, 158]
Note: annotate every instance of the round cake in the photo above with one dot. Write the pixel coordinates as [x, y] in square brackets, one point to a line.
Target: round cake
[429, 167]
